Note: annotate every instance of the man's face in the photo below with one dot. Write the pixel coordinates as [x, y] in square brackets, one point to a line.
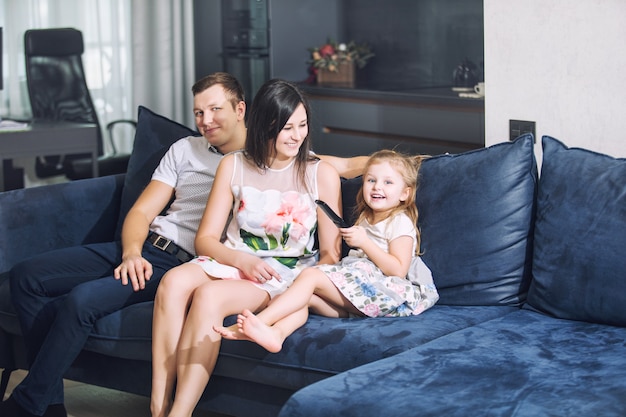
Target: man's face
[215, 117]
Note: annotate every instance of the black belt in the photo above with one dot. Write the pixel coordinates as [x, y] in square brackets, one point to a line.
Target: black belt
[168, 246]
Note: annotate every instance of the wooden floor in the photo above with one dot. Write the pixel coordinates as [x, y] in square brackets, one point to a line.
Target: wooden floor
[82, 400]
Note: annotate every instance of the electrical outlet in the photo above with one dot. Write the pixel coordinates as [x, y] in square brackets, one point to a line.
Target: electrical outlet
[519, 127]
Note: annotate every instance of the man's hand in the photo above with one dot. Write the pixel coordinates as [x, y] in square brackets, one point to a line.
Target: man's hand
[135, 270]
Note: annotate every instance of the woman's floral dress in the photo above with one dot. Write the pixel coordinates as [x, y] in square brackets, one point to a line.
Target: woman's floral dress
[275, 218]
[378, 295]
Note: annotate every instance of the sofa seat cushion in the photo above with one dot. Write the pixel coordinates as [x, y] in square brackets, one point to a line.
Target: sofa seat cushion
[522, 364]
[8, 318]
[323, 347]
[579, 265]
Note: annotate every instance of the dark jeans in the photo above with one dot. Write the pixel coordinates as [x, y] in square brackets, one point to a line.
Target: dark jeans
[58, 297]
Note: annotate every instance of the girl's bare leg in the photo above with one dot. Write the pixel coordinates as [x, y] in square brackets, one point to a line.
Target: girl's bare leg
[171, 303]
[292, 307]
[232, 332]
[271, 337]
[199, 344]
[283, 327]
[319, 306]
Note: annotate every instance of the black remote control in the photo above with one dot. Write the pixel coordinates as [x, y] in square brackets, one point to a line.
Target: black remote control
[333, 216]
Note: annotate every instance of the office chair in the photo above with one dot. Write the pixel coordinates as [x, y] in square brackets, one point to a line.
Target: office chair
[58, 92]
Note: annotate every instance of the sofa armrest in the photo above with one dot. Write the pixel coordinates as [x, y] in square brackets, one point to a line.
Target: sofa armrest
[39, 219]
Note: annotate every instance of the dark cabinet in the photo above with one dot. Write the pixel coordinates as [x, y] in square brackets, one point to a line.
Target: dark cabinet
[359, 124]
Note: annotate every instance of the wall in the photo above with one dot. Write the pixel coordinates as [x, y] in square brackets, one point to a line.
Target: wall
[297, 26]
[560, 63]
[417, 43]
[207, 37]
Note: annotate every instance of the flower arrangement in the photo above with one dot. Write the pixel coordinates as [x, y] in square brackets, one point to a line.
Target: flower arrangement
[330, 55]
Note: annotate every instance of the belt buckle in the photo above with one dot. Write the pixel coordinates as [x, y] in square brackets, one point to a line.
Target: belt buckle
[161, 243]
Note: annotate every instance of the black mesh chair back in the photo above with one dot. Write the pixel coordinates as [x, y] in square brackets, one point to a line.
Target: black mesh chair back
[58, 91]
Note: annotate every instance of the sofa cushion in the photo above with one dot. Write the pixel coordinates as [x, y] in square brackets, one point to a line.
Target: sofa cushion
[322, 348]
[579, 265]
[522, 364]
[153, 137]
[476, 214]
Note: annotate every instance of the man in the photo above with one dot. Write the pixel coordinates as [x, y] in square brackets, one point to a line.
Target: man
[61, 294]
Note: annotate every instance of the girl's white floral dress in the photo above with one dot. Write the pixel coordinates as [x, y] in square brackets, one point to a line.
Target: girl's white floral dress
[374, 293]
[274, 217]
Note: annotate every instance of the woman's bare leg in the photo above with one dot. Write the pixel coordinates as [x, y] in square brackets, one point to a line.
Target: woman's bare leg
[199, 344]
[170, 308]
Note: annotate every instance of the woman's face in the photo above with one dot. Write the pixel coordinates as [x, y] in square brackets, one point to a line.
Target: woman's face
[290, 138]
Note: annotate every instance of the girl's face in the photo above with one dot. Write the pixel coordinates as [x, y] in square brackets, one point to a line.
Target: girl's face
[383, 187]
[290, 138]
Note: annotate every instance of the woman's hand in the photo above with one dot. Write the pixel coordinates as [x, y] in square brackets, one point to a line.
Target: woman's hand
[256, 269]
[354, 236]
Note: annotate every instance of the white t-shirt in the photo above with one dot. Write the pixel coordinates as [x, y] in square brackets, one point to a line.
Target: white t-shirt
[189, 166]
[384, 232]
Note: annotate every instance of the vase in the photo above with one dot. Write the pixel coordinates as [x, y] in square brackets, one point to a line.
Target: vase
[343, 77]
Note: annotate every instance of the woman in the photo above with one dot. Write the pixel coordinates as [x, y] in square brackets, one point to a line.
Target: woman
[270, 187]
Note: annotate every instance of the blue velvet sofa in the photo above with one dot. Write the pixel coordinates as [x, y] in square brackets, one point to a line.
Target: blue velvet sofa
[530, 268]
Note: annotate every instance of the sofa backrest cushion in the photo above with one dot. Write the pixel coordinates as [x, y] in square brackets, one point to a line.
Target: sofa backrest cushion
[476, 211]
[579, 264]
[153, 137]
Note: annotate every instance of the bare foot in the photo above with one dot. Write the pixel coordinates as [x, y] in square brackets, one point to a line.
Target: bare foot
[259, 332]
[232, 332]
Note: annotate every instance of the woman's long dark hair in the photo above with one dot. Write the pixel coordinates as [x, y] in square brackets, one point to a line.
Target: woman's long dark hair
[272, 107]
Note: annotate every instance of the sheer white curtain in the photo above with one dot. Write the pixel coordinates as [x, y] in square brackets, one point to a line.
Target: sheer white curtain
[163, 57]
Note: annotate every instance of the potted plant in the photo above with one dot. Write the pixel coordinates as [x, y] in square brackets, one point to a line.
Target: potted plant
[335, 63]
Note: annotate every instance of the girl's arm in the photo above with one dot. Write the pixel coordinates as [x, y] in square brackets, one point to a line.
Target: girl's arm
[215, 219]
[394, 263]
[329, 188]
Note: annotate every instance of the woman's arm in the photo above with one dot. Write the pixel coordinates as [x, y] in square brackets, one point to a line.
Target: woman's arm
[215, 219]
[329, 188]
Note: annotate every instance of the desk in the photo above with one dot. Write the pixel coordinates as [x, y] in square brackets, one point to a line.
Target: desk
[42, 138]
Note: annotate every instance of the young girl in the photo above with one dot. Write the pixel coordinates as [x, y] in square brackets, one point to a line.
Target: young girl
[381, 276]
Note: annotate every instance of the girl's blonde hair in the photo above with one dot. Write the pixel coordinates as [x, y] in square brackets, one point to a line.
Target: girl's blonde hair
[408, 167]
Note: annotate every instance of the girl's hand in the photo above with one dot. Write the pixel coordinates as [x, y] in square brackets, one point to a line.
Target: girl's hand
[354, 236]
[256, 269]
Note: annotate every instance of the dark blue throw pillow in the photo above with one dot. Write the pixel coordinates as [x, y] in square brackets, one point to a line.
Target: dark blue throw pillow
[476, 214]
[579, 265]
[476, 211]
[153, 137]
